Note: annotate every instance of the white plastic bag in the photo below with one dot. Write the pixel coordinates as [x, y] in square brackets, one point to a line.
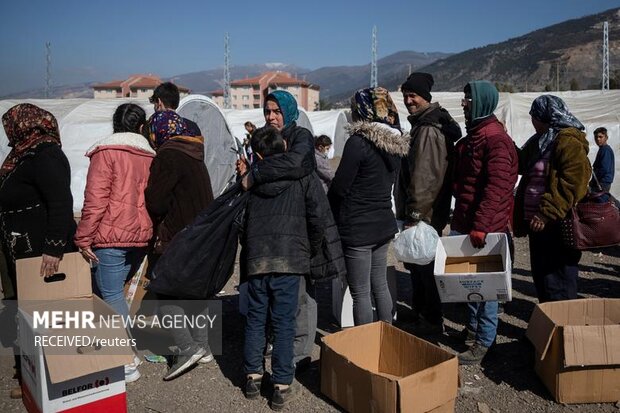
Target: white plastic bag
[417, 244]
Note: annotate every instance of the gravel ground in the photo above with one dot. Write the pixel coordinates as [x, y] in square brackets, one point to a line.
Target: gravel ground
[505, 382]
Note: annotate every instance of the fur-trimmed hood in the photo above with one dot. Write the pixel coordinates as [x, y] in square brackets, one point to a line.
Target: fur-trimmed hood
[384, 137]
[129, 141]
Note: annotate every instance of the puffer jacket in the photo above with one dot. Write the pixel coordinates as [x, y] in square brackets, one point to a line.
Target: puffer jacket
[361, 192]
[424, 190]
[114, 212]
[485, 177]
[568, 174]
[284, 226]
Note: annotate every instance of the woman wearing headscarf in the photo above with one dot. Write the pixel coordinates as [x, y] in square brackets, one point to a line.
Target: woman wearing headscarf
[36, 206]
[556, 171]
[361, 199]
[178, 189]
[485, 176]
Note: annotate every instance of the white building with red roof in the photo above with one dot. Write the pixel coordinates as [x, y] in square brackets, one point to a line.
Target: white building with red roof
[136, 86]
[251, 93]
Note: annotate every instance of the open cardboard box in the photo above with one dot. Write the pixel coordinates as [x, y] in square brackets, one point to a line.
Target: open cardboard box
[464, 273]
[71, 376]
[379, 368]
[577, 346]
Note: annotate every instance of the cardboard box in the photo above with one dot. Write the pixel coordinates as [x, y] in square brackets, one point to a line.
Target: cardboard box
[79, 378]
[464, 273]
[577, 346]
[136, 287]
[379, 368]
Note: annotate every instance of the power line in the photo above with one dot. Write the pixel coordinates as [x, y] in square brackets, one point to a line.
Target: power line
[226, 73]
[605, 83]
[48, 69]
[373, 63]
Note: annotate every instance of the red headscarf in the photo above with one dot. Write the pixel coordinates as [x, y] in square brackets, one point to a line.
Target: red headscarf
[26, 127]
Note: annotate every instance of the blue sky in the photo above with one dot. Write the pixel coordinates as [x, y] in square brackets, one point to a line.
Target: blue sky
[102, 40]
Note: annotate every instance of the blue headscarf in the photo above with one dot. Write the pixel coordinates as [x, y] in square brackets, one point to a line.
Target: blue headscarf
[287, 104]
[552, 110]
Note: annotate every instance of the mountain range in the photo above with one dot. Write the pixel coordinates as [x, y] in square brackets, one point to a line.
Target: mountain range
[567, 55]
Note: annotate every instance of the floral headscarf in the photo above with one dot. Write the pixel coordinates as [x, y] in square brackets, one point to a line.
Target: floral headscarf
[375, 105]
[27, 126]
[552, 110]
[167, 124]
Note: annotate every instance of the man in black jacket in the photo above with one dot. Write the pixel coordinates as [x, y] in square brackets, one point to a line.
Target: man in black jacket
[423, 192]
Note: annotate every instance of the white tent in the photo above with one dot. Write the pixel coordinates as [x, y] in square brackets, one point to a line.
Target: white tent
[220, 147]
[82, 122]
[331, 123]
[592, 107]
[236, 118]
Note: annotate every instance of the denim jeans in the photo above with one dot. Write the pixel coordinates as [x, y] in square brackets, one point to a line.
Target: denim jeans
[274, 295]
[111, 272]
[305, 321]
[366, 275]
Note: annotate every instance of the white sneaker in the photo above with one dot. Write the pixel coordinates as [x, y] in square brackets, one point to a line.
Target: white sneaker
[137, 361]
[207, 358]
[131, 373]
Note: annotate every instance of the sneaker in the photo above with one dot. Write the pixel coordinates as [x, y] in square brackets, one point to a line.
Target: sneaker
[466, 336]
[282, 396]
[131, 373]
[252, 386]
[473, 355]
[183, 360]
[207, 358]
[137, 361]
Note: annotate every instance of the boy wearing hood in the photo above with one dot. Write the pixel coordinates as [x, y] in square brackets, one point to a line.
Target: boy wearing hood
[485, 176]
[284, 229]
[424, 187]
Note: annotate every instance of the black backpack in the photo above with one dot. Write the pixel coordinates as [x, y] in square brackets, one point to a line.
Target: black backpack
[200, 259]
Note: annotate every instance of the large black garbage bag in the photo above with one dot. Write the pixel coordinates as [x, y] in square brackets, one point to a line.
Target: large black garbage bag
[200, 259]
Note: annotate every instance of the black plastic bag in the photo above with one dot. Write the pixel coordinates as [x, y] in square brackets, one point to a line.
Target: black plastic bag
[200, 259]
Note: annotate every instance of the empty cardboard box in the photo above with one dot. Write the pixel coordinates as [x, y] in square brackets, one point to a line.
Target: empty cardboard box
[379, 368]
[67, 374]
[577, 346]
[465, 274]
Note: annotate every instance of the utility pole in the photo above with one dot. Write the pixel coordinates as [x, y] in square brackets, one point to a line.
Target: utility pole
[373, 62]
[557, 76]
[226, 73]
[48, 69]
[605, 83]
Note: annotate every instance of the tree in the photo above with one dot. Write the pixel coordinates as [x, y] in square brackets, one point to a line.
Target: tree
[324, 105]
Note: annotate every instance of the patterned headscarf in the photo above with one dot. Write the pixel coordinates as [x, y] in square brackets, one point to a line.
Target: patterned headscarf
[27, 126]
[166, 125]
[552, 110]
[375, 105]
[287, 104]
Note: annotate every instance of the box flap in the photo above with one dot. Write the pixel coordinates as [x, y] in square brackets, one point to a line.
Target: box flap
[591, 345]
[430, 388]
[360, 345]
[76, 282]
[540, 330]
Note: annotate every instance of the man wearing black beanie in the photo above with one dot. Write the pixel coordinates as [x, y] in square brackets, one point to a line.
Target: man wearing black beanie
[424, 188]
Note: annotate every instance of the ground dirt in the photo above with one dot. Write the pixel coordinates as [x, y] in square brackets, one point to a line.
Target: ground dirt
[505, 382]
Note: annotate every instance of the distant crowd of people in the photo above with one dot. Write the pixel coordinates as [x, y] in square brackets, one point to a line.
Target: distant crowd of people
[148, 180]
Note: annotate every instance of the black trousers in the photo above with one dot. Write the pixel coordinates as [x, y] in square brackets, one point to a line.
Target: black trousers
[425, 298]
[554, 267]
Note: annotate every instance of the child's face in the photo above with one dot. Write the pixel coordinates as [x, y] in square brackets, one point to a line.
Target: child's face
[324, 149]
[600, 139]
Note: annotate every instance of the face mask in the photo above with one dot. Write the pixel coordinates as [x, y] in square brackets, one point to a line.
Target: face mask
[330, 152]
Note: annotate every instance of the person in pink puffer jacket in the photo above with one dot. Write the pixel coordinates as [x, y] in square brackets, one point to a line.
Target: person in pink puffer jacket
[115, 227]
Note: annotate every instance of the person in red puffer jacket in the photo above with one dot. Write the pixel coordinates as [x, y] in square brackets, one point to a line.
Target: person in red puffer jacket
[485, 176]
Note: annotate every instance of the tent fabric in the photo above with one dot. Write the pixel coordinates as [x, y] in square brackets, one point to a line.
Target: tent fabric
[82, 122]
[331, 123]
[220, 147]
